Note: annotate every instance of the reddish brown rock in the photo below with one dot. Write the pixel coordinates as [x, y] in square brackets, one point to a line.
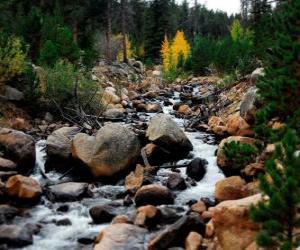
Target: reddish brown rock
[134, 180]
[22, 187]
[153, 194]
[236, 125]
[193, 241]
[198, 207]
[232, 224]
[147, 216]
[184, 109]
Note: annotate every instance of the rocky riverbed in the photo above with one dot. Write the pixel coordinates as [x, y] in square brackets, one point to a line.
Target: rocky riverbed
[150, 178]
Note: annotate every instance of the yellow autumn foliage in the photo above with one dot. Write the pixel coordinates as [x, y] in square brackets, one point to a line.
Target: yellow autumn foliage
[12, 59]
[171, 53]
[129, 50]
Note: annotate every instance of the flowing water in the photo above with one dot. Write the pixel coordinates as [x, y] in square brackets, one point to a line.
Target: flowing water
[54, 237]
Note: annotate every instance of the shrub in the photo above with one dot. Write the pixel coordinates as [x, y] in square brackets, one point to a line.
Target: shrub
[69, 89]
[239, 155]
[12, 58]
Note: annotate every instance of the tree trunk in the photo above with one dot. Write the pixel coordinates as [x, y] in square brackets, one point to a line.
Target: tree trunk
[123, 9]
[108, 32]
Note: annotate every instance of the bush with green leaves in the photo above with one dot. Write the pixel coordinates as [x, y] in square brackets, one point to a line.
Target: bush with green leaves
[239, 155]
[279, 214]
[69, 89]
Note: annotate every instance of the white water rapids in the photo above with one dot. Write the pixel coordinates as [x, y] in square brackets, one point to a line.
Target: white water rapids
[53, 237]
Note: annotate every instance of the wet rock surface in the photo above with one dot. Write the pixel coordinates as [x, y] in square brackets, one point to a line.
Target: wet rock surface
[167, 200]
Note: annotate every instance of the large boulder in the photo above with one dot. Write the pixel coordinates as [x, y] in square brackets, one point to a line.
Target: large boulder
[248, 106]
[231, 188]
[69, 191]
[113, 150]
[175, 234]
[15, 236]
[59, 143]
[232, 224]
[23, 188]
[18, 147]
[153, 194]
[121, 236]
[164, 132]
[59, 148]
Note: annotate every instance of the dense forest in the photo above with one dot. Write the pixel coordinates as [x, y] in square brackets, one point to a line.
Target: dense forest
[155, 125]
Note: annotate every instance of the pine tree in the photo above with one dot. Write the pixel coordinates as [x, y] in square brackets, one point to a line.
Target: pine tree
[280, 90]
[280, 87]
[279, 213]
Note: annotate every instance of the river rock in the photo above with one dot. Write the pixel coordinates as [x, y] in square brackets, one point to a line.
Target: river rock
[134, 180]
[15, 236]
[153, 194]
[198, 207]
[156, 155]
[109, 97]
[102, 214]
[121, 236]
[70, 191]
[113, 150]
[221, 158]
[236, 125]
[121, 219]
[114, 114]
[18, 147]
[184, 109]
[231, 188]
[196, 169]
[193, 241]
[7, 213]
[59, 143]
[7, 165]
[217, 125]
[149, 107]
[176, 182]
[164, 132]
[147, 216]
[23, 188]
[232, 224]
[175, 234]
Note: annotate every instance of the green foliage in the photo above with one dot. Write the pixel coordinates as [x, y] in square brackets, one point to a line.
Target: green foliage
[239, 155]
[59, 46]
[170, 75]
[68, 88]
[280, 87]
[12, 58]
[203, 50]
[227, 80]
[279, 214]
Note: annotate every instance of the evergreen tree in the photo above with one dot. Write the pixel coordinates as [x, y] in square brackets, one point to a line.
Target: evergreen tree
[280, 87]
[279, 213]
